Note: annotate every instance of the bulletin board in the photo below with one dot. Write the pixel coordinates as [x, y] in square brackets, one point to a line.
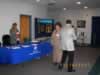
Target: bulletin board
[43, 27]
[81, 23]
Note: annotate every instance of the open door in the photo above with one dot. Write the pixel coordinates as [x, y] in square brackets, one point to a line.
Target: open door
[25, 27]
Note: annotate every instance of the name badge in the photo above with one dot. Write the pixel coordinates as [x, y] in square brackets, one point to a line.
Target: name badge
[57, 35]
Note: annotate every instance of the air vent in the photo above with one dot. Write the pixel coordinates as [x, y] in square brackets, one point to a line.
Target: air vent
[51, 4]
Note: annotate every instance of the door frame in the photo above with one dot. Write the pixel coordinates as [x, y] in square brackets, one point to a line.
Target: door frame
[92, 35]
[30, 32]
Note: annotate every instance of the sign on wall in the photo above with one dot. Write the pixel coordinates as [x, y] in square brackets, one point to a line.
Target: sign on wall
[81, 23]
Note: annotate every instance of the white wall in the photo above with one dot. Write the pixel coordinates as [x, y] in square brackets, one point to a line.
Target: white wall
[10, 12]
[74, 15]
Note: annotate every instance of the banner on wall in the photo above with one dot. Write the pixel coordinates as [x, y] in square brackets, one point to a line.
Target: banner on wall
[43, 27]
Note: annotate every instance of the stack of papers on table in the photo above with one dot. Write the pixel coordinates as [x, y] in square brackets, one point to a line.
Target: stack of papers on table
[25, 46]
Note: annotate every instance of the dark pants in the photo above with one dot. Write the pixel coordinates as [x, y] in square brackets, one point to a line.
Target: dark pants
[70, 55]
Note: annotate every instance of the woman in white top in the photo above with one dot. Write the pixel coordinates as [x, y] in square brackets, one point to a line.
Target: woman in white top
[67, 36]
[56, 44]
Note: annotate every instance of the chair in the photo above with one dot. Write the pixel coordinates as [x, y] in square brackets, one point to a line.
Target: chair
[6, 40]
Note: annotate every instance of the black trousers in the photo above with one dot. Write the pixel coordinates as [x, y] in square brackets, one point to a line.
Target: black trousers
[70, 55]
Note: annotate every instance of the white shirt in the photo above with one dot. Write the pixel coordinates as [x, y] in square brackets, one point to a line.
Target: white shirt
[67, 39]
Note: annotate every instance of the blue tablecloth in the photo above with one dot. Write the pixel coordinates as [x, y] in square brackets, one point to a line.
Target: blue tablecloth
[23, 53]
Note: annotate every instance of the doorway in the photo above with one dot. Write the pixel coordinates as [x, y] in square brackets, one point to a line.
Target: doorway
[25, 27]
[95, 31]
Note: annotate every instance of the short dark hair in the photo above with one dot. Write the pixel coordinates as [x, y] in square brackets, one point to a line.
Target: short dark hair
[15, 24]
[58, 24]
[68, 21]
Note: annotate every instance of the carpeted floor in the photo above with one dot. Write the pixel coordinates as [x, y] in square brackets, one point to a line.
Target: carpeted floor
[86, 57]
[96, 68]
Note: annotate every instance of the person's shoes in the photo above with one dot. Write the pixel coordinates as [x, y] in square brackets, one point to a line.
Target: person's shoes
[71, 70]
[60, 67]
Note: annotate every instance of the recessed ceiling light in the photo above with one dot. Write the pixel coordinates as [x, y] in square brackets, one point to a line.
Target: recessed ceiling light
[85, 7]
[37, 0]
[64, 8]
[78, 2]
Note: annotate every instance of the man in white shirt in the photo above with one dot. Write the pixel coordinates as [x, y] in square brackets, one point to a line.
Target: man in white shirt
[68, 36]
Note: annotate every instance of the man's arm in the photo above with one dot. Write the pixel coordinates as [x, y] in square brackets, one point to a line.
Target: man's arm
[74, 35]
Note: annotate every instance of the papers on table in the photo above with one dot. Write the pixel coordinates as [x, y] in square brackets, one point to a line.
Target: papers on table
[15, 47]
[8, 47]
[35, 41]
[22, 46]
[25, 46]
[34, 44]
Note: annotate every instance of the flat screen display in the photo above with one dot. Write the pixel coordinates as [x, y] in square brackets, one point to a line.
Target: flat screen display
[43, 27]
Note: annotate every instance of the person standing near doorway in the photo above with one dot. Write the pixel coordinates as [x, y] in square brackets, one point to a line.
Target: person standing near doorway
[14, 34]
[57, 53]
[68, 36]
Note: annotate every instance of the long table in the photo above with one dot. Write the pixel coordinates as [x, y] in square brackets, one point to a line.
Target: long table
[24, 53]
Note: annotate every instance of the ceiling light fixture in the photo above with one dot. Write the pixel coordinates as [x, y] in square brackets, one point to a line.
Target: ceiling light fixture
[78, 2]
[37, 0]
[85, 7]
[64, 9]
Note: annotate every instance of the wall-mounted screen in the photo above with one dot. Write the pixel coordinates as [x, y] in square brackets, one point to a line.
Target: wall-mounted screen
[43, 27]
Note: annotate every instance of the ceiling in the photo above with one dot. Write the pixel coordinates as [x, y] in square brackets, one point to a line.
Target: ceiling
[69, 4]
[59, 4]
